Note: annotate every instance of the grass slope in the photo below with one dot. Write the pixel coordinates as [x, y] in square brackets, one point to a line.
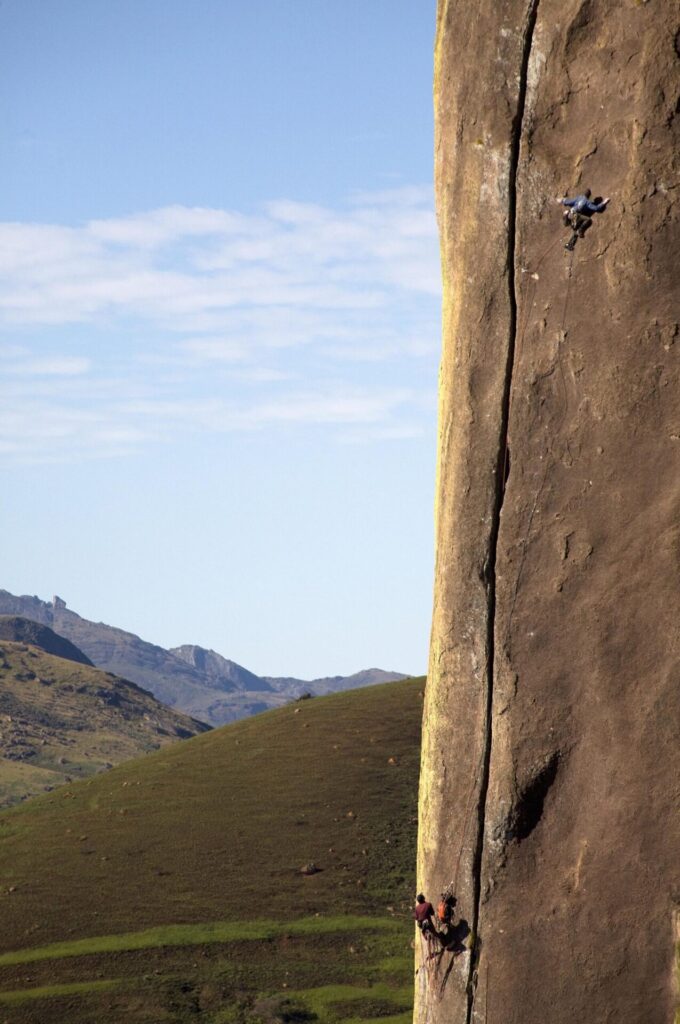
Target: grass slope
[169, 889]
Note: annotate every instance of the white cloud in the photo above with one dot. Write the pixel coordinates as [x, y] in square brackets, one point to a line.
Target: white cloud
[366, 435]
[325, 407]
[57, 426]
[187, 262]
[213, 349]
[213, 320]
[59, 366]
[160, 227]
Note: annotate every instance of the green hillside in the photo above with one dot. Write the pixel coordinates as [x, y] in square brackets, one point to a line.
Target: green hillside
[170, 889]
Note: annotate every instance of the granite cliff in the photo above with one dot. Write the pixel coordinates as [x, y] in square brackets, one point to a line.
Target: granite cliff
[549, 783]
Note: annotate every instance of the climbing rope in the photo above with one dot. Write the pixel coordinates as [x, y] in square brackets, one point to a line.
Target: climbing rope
[486, 993]
[446, 976]
[427, 954]
[539, 493]
[452, 888]
[529, 298]
[528, 304]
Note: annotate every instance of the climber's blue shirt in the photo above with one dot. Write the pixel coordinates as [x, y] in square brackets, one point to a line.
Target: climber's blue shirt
[581, 204]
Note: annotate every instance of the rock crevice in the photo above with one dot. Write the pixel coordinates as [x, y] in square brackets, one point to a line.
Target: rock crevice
[502, 474]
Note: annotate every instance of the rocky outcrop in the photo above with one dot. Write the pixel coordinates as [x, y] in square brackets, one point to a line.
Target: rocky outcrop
[20, 630]
[223, 674]
[549, 794]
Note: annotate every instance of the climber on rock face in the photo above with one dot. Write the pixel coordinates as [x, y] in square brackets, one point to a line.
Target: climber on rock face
[423, 914]
[578, 216]
[445, 909]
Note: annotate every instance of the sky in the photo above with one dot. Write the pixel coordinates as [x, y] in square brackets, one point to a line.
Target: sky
[220, 323]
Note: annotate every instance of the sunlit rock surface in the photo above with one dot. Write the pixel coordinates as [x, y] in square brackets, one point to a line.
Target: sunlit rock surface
[549, 792]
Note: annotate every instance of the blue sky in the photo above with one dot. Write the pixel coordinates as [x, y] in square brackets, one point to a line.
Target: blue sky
[219, 322]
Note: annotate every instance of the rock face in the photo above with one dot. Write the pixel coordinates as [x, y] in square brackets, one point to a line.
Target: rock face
[549, 786]
[225, 674]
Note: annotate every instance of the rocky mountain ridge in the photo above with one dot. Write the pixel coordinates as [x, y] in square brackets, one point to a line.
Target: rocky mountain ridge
[19, 630]
[189, 678]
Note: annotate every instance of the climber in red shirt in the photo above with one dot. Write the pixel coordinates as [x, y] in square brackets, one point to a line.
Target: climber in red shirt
[423, 914]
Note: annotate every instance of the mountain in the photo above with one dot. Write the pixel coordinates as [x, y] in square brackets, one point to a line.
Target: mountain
[333, 684]
[260, 873]
[555, 650]
[172, 679]
[226, 675]
[223, 674]
[20, 630]
[64, 719]
[199, 682]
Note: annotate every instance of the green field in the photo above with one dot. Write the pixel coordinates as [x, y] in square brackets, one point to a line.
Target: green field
[169, 889]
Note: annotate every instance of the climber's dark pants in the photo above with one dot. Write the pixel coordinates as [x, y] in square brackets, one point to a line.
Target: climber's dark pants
[579, 225]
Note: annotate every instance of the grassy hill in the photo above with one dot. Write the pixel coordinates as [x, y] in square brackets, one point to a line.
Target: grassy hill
[62, 720]
[170, 889]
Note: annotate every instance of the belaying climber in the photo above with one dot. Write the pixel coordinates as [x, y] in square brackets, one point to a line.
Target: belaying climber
[445, 909]
[579, 214]
[423, 914]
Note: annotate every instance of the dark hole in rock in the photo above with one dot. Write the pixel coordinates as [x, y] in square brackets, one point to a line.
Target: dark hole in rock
[529, 808]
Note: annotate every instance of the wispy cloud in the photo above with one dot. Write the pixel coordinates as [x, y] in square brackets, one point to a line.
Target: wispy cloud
[59, 366]
[187, 262]
[215, 320]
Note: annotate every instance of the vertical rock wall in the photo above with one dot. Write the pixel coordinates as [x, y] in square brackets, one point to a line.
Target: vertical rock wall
[549, 790]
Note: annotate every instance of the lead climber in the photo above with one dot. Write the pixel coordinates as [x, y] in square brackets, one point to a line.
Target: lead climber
[579, 215]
